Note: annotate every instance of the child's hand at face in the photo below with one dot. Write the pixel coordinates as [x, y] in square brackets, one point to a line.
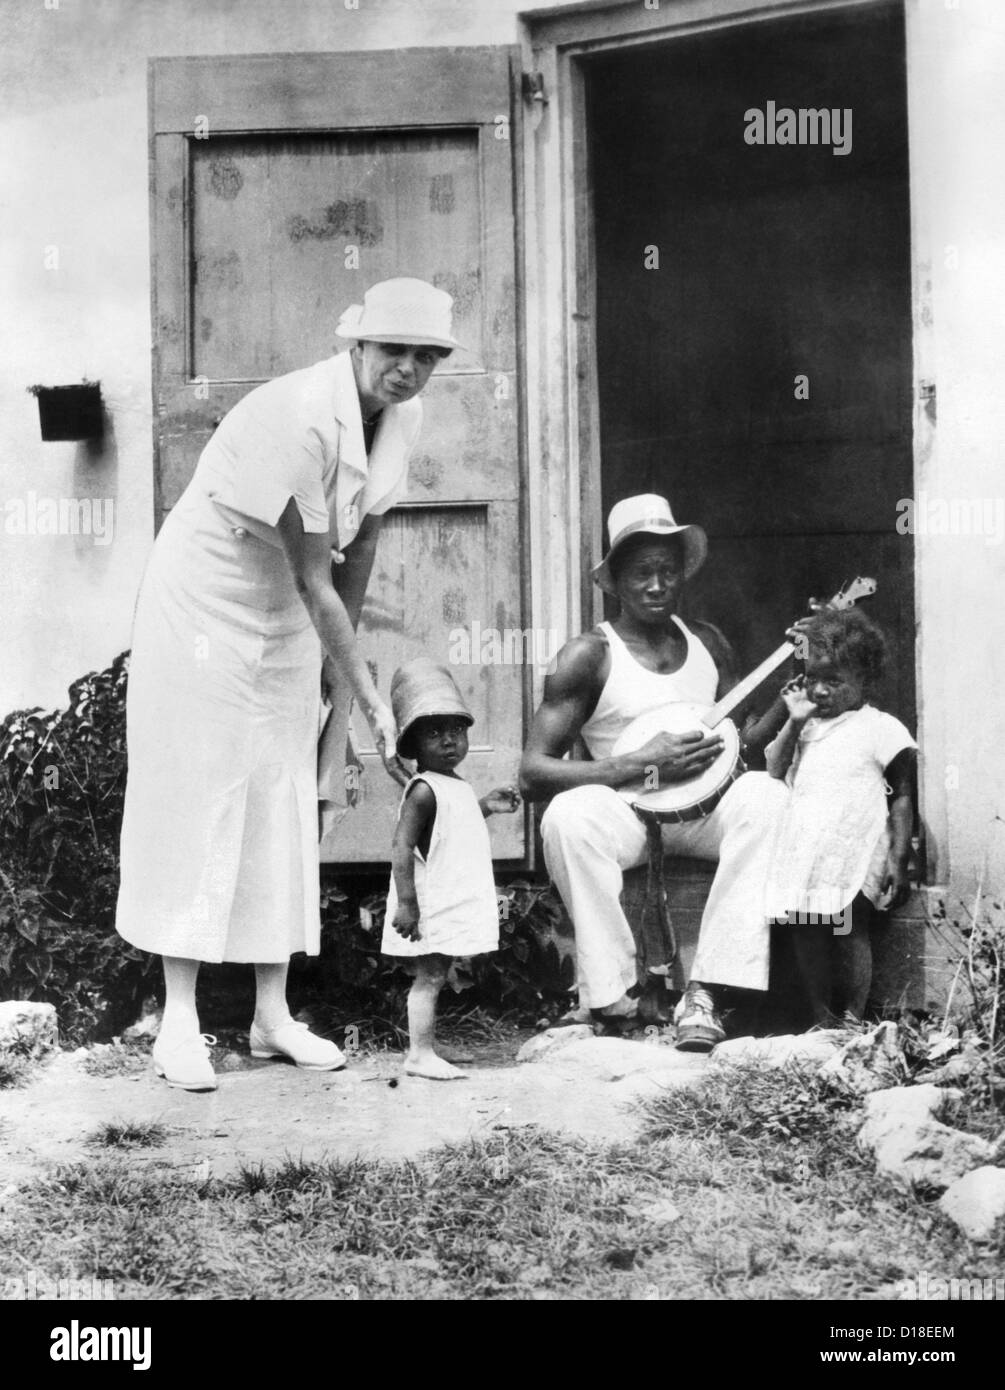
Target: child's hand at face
[797, 702]
[500, 801]
[406, 921]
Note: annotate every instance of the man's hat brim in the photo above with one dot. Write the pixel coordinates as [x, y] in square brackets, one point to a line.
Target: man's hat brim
[695, 549]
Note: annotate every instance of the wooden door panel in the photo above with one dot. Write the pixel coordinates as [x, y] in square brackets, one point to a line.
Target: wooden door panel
[465, 449]
[434, 585]
[406, 198]
[311, 177]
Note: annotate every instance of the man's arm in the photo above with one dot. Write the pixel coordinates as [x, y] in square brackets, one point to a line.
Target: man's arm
[570, 696]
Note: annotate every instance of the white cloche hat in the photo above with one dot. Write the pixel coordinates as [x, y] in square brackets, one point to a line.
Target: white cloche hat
[401, 311]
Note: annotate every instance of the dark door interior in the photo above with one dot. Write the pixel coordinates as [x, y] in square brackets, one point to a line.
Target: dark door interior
[775, 261]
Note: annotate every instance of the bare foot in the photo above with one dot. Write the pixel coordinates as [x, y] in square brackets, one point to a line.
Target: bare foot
[434, 1068]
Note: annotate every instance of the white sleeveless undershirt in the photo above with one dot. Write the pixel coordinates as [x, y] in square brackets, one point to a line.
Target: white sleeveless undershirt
[630, 690]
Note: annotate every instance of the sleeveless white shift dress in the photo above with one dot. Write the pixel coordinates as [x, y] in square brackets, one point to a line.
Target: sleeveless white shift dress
[455, 888]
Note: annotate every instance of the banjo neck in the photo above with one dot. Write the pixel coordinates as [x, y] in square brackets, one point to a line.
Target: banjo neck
[722, 709]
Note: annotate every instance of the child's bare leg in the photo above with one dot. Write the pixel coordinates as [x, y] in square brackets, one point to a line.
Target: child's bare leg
[811, 947]
[853, 960]
[423, 1059]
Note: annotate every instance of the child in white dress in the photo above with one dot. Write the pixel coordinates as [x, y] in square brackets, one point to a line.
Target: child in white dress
[841, 850]
[442, 898]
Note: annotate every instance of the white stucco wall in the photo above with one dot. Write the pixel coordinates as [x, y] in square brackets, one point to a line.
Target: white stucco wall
[957, 135]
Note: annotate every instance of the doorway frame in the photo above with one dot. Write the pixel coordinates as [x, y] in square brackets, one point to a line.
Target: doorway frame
[563, 439]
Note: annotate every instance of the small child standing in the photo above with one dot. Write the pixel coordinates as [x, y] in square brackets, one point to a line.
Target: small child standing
[841, 850]
[442, 898]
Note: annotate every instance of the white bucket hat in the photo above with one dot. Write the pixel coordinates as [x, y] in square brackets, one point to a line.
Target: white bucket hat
[401, 311]
[650, 515]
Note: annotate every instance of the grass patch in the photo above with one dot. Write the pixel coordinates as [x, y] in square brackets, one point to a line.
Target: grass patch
[15, 1070]
[117, 1058]
[767, 1197]
[130, 1134]
[762, 1114]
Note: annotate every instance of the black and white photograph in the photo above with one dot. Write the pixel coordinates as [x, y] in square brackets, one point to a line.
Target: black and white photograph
[502, 755]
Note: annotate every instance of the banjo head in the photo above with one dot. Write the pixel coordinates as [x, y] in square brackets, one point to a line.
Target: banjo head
[677, 798]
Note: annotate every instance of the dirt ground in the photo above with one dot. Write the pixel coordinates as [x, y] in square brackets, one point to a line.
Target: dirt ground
[264, 1112]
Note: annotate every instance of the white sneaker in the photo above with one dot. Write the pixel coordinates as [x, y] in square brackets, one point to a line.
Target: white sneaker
[184, 1062]
[699, 1027]
[295, 1040]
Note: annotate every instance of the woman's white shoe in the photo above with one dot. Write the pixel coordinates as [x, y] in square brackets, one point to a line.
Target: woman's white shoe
[295, 1040]
[184, 1061]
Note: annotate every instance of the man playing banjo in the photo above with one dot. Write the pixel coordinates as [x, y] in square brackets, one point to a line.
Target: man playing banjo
[603, 681]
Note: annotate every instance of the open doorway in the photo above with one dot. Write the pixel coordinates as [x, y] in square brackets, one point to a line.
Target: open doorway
[758, 368]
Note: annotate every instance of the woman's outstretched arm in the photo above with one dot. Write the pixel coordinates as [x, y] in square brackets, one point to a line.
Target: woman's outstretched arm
[309, 556]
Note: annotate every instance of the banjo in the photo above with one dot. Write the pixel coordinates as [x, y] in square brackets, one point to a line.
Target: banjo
[677, 803]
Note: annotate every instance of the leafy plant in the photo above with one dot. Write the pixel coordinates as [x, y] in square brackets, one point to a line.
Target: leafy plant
[532, 972]
[534, 967]
[62, 781]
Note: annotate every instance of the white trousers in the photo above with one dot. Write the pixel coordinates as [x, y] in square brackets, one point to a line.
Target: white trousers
[591, 835]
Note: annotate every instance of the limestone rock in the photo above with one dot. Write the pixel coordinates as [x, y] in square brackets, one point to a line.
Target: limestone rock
[868, 1062]
[814, 1048]
[909, 1142]
[959, 1068]
[900, 1105]
[976, 1202]
[551, 1041]
[612, 1059]
[27, 1028]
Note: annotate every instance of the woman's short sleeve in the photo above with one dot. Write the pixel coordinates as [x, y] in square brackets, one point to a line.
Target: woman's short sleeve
[263, 453]
[264, 480]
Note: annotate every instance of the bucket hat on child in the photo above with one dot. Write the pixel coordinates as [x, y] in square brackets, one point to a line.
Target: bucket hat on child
[419, 688]
[649, 514]
[401, 311]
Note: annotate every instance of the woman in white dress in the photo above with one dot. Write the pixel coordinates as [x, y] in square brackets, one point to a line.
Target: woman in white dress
[219, 856]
